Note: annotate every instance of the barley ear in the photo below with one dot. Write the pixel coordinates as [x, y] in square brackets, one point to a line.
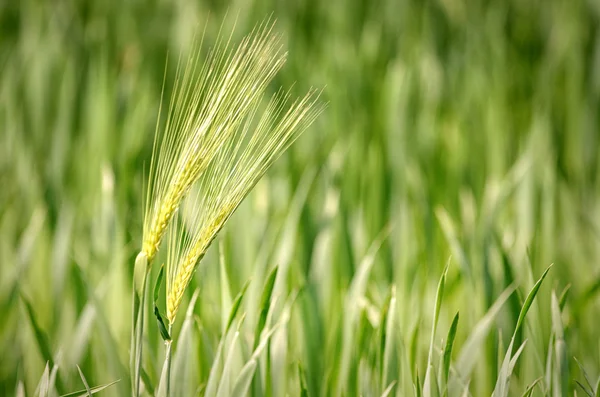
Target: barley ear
[212, 97]
[236, 169]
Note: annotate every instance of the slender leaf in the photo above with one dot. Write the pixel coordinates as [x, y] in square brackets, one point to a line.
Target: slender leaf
[529, 391]
[447, 356]
[92, 390]
[529, 300]
[265, 303]
[85, 383]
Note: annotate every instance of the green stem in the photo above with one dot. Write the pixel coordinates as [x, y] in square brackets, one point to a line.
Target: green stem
[139, 303]
[168, 362]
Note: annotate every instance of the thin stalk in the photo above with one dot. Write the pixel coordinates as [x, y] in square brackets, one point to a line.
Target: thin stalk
[168, 363]
[140, 290]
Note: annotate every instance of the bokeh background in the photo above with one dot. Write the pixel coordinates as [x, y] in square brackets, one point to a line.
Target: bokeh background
[469, 128]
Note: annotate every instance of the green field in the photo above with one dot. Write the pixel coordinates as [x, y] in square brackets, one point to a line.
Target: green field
[458, 133]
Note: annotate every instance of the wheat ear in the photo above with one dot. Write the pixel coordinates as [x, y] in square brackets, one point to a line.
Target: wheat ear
[235, 170]
[211, 99]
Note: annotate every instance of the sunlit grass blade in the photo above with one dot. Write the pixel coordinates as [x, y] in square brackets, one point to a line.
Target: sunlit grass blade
[20, 389]
[44, 385]
[85, 382]
[430, 384]
[388, 390]
[92, 390]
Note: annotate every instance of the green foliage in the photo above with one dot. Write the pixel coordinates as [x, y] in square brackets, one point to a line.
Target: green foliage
[455, 128]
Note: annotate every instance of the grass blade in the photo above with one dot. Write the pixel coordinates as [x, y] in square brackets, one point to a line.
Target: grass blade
[563, 297]
[242, 384]
[226, 302]
[183, 363]
[92, 390]
[244, 380]
[211, 385]
[431, 387]
[235, 306]
[224, 388]
[529, 300]
[265, 304]
[561, 376]
[389, 364]
[85, 382]
[585, 374]
[351, 316]
[40, 336]
[162, 328]
[447, 356]
[302, 381]
[213, 378]
[529, 391]
[584, 388]
[388, 390]
[472, 347]
[44, 386]
[158, 284]
[43, 345]
[439, 295]
[501, 388]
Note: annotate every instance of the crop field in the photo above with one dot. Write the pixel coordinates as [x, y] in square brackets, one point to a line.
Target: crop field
[300, 198]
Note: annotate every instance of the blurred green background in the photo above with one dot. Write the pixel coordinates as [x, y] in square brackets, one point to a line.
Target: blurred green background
[470, 128]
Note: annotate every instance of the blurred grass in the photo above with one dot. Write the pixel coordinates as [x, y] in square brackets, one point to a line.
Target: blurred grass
[469, 127]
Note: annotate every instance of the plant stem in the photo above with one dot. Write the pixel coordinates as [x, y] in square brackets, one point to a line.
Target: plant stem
[168, 362]
[139, 303]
